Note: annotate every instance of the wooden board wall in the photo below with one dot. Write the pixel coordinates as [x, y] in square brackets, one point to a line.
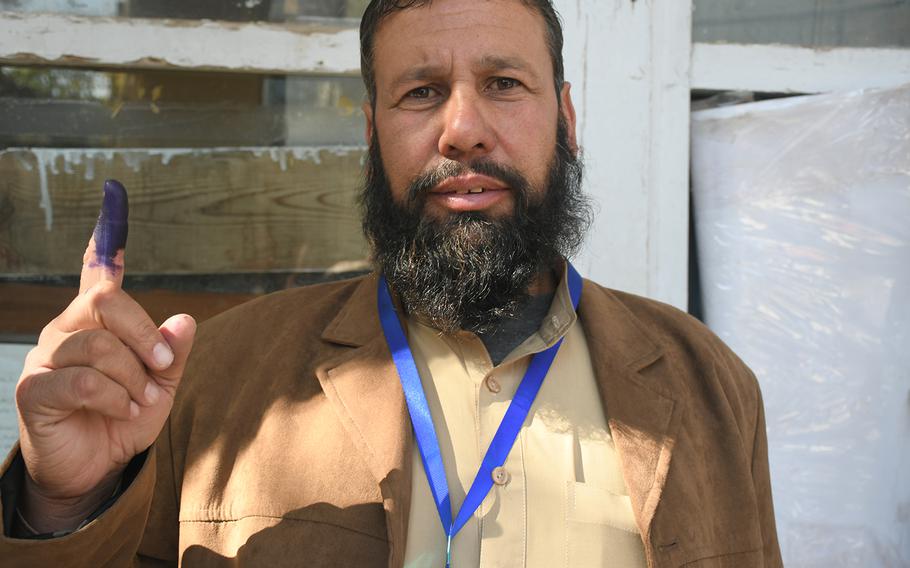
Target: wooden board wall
[26, 308]
[191, 211]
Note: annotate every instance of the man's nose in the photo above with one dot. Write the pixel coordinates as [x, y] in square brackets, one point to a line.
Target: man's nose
[467, 132]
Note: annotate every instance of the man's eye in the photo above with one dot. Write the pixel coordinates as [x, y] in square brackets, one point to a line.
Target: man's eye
[505, 83]
[420, 93]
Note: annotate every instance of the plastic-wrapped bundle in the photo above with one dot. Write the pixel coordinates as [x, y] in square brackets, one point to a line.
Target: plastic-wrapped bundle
[802, 211]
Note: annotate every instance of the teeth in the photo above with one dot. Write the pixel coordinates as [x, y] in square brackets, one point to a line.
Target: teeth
[475, 190]
[461, 191]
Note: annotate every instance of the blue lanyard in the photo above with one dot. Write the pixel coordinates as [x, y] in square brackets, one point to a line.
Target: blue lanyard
[422, 421]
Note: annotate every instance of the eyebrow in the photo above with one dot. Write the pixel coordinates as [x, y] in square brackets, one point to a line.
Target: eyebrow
[505, 63]
[419, 73]
[488, 63]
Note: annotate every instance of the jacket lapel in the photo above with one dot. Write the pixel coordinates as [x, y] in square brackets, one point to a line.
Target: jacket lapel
[363, 386]
[643, 415]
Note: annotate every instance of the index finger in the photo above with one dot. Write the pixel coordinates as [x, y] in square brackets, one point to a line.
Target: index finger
[104, 256]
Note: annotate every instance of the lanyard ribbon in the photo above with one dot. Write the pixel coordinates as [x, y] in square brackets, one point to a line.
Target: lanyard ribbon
[422, 421]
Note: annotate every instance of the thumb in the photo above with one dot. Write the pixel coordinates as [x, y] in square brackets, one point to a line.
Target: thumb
[103, 259]
[179, 331]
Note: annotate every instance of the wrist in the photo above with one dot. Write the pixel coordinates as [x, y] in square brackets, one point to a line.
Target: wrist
[42, 513]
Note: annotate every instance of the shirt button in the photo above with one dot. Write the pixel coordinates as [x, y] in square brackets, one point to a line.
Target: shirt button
[492, 385]
[500, 476]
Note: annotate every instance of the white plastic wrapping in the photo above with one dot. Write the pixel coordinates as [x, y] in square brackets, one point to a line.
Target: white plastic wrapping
[802, 211]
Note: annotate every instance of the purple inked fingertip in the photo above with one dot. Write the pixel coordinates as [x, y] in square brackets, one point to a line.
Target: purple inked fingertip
[112, 226]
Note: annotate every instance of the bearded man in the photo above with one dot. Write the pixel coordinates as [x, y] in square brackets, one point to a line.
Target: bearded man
[471, 402]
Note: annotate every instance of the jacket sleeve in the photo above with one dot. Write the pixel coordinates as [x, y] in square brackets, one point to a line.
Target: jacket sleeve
[138, 530]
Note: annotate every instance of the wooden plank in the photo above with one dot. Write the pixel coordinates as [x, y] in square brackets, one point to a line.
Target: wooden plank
[86, 41]
[192, 210]
[792, 69]
[26, 308]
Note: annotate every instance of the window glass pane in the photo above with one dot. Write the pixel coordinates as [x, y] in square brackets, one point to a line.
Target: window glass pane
[232, 10]
[832, 23]
[160, 109]
[239, 184]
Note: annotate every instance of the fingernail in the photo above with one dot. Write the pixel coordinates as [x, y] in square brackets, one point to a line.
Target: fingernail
[162, 355]
[152, 393]
[134, 410]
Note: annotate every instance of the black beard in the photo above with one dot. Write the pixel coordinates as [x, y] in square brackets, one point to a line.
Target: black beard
[468, 271]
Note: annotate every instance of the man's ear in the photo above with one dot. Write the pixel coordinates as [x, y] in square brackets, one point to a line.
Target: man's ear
[368, 115]
[568, 113]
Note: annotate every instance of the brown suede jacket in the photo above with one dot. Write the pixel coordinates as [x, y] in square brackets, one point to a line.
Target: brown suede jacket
[290, 444]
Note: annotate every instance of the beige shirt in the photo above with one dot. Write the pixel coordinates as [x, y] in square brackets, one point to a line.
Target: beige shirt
[561, 500]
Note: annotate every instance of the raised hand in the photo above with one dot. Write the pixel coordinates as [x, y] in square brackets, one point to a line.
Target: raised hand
[98, 387]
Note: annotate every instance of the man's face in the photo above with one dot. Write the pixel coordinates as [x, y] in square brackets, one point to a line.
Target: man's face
[466, 82]
[472, 187]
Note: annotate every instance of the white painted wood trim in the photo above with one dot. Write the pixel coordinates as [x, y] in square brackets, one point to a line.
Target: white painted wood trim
[85, 41]
[793, 69]
[629, 65]
[668, 154]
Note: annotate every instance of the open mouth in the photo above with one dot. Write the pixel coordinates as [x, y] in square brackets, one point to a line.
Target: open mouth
[465, 190]
[470, 192]
[467, 184]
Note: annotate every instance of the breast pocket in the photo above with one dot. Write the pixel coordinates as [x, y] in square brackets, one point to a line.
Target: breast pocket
[601, 529]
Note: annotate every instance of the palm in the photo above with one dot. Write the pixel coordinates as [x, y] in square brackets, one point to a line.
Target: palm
[79, 449]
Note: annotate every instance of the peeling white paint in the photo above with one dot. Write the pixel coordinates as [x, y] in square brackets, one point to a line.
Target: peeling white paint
[45, 203]
[24, 164]
[134, 158]
[281, 157]
[89, 170]
[156, 43]
[48, 159]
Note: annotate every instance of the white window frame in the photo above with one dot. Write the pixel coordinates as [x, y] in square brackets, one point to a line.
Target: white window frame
[794, 69]
[144, 43]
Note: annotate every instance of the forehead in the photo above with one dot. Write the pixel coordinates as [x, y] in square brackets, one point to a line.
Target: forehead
[452, 32]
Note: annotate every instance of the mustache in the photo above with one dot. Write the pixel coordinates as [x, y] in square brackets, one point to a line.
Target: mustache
[420, 187]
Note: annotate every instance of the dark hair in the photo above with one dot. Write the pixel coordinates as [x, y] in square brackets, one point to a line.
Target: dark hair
[378, 10]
